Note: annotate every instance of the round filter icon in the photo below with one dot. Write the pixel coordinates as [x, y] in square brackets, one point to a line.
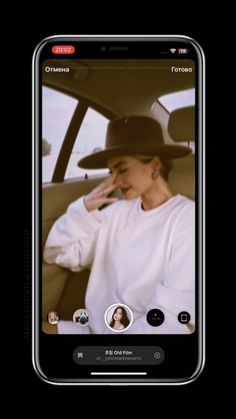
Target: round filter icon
[155, 317]
[81, 317]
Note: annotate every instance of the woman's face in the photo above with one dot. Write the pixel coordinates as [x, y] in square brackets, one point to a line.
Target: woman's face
[118, 315]
[134, 178]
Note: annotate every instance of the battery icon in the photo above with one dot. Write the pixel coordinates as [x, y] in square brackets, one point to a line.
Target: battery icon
[182, 50]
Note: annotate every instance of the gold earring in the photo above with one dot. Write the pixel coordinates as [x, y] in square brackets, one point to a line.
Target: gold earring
[155, 174]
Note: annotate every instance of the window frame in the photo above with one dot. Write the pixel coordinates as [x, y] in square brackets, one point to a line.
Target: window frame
[72, 131]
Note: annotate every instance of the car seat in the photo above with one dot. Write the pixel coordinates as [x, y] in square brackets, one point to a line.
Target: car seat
[181, 128]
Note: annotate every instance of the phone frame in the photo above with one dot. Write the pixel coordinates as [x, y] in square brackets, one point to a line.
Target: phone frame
[35, 208]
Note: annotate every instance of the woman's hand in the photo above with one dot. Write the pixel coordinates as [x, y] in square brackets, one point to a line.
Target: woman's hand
[98, 196]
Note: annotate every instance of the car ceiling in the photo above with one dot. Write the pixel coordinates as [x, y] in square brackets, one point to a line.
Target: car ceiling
[124, 87]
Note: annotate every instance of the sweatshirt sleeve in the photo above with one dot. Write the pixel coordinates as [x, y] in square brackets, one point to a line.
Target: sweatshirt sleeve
[177, 291]
[72, 239]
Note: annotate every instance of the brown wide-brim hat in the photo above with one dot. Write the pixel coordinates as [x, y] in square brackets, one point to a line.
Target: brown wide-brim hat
[131, 136]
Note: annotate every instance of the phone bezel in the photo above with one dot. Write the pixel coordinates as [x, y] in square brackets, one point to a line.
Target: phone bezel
[201, 209]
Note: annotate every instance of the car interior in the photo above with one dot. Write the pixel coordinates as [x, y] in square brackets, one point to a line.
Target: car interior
[113, 91]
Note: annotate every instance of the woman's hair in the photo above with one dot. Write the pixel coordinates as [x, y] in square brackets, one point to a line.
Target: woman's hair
[124, 319]
[166, 165]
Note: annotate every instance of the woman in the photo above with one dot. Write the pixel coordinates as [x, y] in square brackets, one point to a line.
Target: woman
[140, 249]
[119, 319]
[53, 317]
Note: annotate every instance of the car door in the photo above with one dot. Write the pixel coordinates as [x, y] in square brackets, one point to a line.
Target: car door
[72, 127]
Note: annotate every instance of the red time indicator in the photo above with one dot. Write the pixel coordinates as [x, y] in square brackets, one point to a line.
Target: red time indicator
[63, 49]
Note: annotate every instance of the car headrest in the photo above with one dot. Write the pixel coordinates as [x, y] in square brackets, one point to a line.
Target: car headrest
[181, 125]
[182, 176]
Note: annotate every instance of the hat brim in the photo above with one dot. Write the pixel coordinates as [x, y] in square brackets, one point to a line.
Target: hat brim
[99, 159]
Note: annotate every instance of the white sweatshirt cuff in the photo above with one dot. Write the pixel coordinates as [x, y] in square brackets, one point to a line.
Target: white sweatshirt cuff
[75, 225]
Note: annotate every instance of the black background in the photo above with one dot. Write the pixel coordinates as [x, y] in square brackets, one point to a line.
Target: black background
[161, 399]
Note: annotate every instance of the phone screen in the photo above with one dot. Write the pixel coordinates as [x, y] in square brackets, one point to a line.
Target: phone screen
[118, 209]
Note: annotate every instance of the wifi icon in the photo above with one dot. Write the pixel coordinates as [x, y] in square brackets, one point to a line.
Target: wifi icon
[172, 50]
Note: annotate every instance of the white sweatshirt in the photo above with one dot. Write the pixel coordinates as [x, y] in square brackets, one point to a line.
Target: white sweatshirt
[143, 259]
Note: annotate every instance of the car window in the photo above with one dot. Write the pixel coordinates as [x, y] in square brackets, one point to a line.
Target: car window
[178, 100]
[90, 139]
[57, 112]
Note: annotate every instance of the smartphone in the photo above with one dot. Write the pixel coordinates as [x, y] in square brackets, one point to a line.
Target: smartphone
[118, 210]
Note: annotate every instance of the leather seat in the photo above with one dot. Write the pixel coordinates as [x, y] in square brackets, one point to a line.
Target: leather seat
[182, 176]
[181, 128]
